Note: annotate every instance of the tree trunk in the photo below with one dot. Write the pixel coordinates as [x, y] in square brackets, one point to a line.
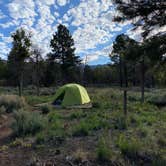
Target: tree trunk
[125, 74]
[142, 79]
[134, 77]
[153, 82]
[21, 83]
[125, 102]
[37, 76]
[120, 72]
[37, 88]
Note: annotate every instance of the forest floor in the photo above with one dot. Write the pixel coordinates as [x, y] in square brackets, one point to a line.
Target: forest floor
[97, 136]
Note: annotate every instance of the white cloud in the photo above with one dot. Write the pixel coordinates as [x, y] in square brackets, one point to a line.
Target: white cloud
[91, 19]
[2, 15]
[95, 27]
[6, 39]
[135, 34]
[4, 49]
[95, 55]
[21, 9]
[46, 2]
[7, 24]
[62, 2]
[158, 29]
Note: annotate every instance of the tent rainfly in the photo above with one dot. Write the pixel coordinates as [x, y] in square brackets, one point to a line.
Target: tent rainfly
[71, 95]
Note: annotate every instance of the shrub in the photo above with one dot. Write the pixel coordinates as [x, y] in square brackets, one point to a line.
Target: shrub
[55, 136]
[129, 147]
[96, 105]
[2, 110]
[103, 151]
[54, 116]
[158, 161]
[27, 123]
[81, 129]
[161, 141]
[80, 156]
[47, 91]
[143, 131]
[55, 131]
[77, 115]
[34, 100]
[92, 122]
[158, 99]
[133, 97]
[134, 120]
[12, 102]
[139, 107]
[46, 109]
[148, 118]
[96, 122]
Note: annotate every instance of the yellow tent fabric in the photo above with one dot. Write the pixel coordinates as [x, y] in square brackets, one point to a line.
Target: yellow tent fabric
[71, 95]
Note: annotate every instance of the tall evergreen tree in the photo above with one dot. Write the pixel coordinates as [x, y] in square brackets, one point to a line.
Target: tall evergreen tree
[62, 45]
[53, 75]
[18, 55]
[37, 61]
[122, 54]
[144, 13]
[147, 14]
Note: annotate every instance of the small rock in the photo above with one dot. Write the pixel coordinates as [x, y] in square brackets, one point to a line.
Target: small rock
[69, 158]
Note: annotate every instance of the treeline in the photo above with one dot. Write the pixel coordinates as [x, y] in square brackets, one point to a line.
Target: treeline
[132, 63]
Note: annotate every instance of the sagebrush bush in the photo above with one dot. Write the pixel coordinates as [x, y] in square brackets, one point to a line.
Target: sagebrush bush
[103, 150]
[12, 102]
[27, 123]
[2, 110]
[47, 91]
[157, 98]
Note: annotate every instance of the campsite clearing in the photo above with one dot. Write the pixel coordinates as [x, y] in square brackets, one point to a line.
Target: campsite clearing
[100, 135]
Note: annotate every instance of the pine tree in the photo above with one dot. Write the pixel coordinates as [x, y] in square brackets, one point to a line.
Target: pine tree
[37, 61]
[62, 45]
[147, 14]
[144, 13]
[122, 54]
[19, 53]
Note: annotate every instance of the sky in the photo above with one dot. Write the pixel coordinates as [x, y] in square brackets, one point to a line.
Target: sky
[89, 21]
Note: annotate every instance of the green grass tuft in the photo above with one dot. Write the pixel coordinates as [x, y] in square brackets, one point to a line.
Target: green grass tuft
[103, 151]
[129, 147]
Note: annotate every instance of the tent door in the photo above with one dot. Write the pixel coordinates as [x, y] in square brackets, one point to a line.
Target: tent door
[59, 100]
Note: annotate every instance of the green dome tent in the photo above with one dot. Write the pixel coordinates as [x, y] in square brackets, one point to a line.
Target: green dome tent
[71, 95]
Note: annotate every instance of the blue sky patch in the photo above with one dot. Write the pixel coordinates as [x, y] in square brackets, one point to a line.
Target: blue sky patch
[89, 21]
